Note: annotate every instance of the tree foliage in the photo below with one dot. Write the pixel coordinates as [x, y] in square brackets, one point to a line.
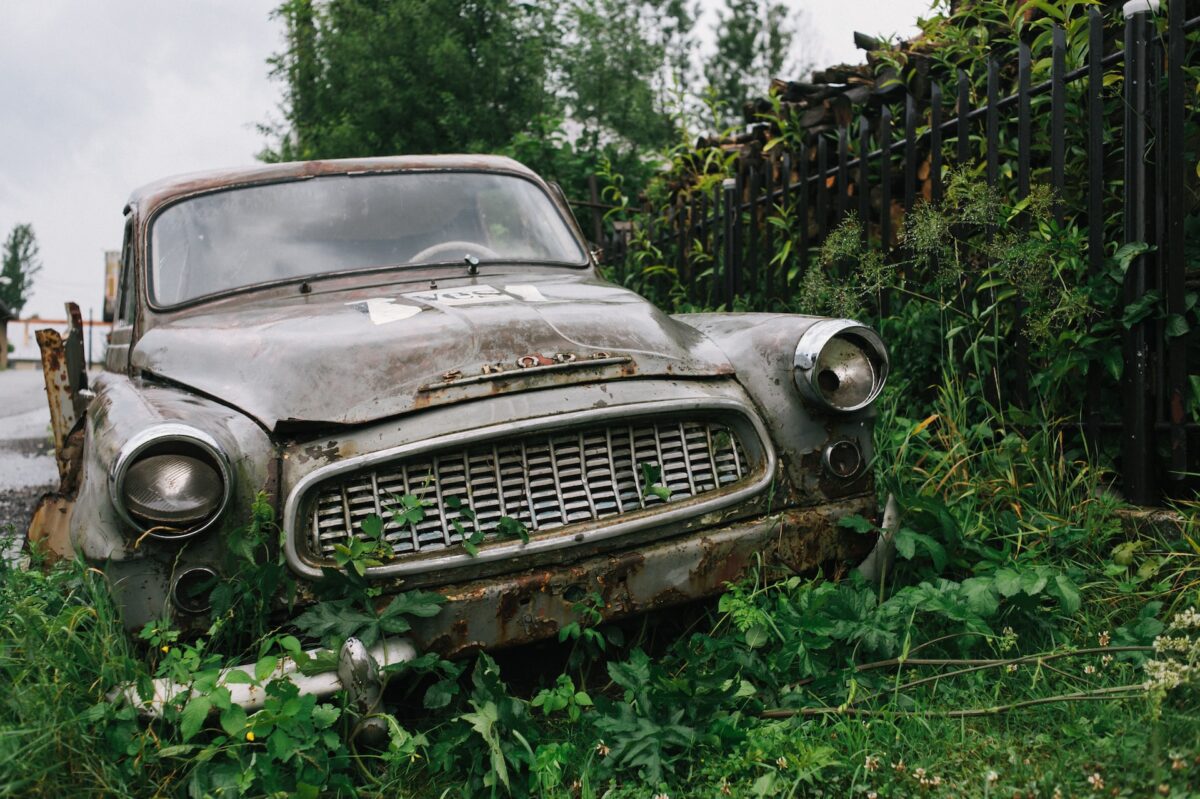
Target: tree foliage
[372, 77]
[754, 41]
[21, 263]
[565, 87]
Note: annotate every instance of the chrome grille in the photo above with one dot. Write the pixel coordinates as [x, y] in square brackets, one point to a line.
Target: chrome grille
[544, 480]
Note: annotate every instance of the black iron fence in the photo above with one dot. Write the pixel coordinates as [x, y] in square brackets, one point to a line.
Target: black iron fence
[880, 163]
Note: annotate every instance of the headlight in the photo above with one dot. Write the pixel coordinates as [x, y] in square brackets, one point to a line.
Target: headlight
[170, 482]
[841, 364]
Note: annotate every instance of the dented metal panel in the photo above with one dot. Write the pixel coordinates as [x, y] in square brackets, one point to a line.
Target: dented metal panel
[535, 604]
[276, 355]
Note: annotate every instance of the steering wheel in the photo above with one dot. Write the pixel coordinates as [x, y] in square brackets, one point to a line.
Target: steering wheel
[450, 247]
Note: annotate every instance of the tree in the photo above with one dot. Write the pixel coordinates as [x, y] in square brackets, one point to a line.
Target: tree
[21, 263]
[754, 45]
[385, 77]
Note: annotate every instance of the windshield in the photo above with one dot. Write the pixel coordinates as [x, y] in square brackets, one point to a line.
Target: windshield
[286, 231]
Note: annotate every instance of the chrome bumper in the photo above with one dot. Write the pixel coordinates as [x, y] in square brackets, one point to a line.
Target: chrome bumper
[359, 673]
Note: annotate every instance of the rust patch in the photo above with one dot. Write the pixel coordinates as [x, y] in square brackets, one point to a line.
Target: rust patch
[50, 527]
[328, 453]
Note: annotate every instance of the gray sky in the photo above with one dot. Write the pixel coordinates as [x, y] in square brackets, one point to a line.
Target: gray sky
[99, 98]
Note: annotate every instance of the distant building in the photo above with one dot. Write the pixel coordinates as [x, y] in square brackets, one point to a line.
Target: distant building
[5, 315]
[23, 335]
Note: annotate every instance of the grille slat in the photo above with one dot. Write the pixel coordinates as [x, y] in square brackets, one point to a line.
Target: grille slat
[545, 480]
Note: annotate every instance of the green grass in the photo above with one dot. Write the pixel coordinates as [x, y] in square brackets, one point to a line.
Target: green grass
[1009, 546]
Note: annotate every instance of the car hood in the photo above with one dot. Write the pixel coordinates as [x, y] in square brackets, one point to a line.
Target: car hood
[349, 357]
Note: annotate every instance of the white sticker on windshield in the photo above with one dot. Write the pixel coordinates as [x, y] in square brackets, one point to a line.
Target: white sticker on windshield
[467, 295]
[527, 293]
[384, 309]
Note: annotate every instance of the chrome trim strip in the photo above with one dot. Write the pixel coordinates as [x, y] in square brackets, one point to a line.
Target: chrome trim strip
[526, 371]
[454, 558]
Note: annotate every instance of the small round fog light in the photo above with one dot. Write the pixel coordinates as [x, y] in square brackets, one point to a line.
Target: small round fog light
[193, 589]
[843, 458]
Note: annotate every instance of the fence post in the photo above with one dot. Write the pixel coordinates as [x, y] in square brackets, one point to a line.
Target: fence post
[910, 152]
[1095, 203]
[992, 114]
[1176, 267]
[885, 179]
[1137, 443]
[1058, 109]
[753, 270]
[822, 187]
[843, 175]
[935, 143]
[864, 178]
[597, 216]
[964, 123]
[802, 207]
[729, 188]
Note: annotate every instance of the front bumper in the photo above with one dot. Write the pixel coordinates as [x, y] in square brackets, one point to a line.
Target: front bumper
[520, 608]
[514, 609]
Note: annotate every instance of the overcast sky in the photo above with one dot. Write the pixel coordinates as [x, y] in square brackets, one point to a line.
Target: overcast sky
[98, 98]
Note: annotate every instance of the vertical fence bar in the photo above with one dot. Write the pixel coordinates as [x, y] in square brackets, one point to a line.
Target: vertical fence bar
[935, 142]
[1095, 201]
[729, 188]
[682, 222]
[739, 233]
[1024, 157]
[695, 234]
[767, 271]
[1058, 111]
[822, 187]
[843, 173]
[752, 273]
[864, 178]
[1024, 120]
[993, 121]
[802, 207]
[964, 124]
[885, 196]
[885, 179]
[910, 151]
[1176, 266]
[1156, 261]
[1137, 445]
[785, 201]
[597, 217]
[718, 229]
[785, 181]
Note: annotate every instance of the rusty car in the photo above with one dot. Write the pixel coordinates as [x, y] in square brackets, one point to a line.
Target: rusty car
[339, 335]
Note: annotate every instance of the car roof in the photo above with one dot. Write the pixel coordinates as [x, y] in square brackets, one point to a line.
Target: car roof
[147, 198]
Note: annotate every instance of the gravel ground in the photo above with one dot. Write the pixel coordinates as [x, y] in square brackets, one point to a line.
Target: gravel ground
[27, 467]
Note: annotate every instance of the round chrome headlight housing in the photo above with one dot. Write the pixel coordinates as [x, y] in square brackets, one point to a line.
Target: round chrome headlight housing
[841, 365]
[170, 482]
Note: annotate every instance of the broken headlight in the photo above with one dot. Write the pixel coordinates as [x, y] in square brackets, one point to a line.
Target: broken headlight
[841, 364]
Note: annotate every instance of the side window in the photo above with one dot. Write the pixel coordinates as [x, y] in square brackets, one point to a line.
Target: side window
[125, 303]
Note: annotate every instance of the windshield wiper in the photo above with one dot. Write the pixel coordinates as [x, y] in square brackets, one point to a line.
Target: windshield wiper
[472, 264]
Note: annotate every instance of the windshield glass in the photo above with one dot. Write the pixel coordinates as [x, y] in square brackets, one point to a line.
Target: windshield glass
[283, 231]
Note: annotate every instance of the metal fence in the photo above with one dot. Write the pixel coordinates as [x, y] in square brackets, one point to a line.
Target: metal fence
[901, 155]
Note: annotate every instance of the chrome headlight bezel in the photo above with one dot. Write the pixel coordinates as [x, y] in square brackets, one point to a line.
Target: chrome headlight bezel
[156, 437]
[815, 340]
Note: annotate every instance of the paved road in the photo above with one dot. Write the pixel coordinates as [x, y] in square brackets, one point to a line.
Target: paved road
[26, 454]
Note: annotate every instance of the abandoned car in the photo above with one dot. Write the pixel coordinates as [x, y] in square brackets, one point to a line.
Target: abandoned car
[421, 352]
